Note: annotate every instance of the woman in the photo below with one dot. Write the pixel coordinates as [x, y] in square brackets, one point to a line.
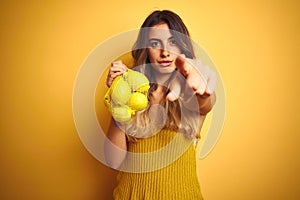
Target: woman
[181, 94]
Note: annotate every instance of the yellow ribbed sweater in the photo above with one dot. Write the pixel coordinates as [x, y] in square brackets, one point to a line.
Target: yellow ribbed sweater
[176, 181]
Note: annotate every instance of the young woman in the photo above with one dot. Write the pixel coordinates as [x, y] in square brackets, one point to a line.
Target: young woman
[181, 94]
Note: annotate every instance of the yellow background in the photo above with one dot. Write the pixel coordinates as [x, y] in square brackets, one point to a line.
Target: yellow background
[255, 45]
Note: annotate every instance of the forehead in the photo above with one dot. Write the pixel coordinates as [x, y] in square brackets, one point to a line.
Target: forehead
[160, 31]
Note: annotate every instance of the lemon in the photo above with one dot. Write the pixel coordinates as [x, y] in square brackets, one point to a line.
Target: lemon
[126, 95]
[114, 84]
[121, 114]
[107, 96]
[137, 80]
[121, 92]
[107, 100]
[138, 101]
[144, 89]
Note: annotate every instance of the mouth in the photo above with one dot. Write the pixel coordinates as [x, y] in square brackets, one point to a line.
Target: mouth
[165, 63]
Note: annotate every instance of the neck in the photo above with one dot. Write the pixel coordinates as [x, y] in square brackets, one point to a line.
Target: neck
[162, 78]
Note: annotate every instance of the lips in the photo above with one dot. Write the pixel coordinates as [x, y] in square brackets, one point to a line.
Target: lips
[165, 63]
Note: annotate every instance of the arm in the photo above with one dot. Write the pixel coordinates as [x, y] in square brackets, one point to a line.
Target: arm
[205, 103]
[115, 146]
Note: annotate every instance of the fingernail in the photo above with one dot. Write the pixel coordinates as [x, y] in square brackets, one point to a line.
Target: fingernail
[171, 97]
[205, 95]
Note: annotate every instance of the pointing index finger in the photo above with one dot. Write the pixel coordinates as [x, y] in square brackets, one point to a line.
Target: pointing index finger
[182, 65]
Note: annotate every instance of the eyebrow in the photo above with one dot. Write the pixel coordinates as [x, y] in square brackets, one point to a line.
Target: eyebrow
[160, 39]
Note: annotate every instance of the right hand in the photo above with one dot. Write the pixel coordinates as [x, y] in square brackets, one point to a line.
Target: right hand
[194, 78]
[117, 68]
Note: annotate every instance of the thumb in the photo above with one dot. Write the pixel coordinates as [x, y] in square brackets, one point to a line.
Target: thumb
[175, 90]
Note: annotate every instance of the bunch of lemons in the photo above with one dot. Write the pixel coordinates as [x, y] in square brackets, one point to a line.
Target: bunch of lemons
[127, 95]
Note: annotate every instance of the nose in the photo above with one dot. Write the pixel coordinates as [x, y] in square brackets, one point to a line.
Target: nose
[164, 53]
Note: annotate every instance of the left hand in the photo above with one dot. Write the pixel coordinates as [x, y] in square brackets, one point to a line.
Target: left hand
[117, 68]
[194, 78]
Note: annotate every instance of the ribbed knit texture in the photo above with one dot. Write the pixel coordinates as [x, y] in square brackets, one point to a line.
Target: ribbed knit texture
[176, 181]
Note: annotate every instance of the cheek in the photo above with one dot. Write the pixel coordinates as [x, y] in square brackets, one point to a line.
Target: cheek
[175, 51]
[152, 55]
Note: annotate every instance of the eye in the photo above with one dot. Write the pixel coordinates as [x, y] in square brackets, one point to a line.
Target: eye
[155, 44]
[173, 42]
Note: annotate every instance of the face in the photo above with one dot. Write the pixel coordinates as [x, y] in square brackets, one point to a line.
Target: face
[162, 49]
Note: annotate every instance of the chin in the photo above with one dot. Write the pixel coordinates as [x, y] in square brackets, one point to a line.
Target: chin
[164, 70]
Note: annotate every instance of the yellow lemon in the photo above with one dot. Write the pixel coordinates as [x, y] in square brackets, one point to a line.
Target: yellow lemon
[121, 92]
[137, 80]
[121, 114]
[120, 100]
[138, 101]
[114, 84]
[107, 100]
[144, 89]
[107, 96]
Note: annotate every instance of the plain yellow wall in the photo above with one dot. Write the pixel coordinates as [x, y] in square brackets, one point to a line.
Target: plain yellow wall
[255, 45]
